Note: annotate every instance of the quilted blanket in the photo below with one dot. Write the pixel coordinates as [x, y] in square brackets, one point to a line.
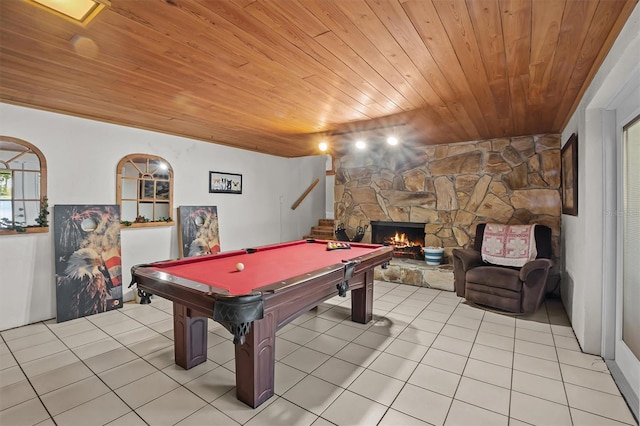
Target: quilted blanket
[508, 245]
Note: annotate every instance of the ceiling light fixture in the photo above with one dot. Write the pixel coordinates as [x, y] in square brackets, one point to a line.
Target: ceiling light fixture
[392, 140]
[78, 11]
[360, 144]
[323, 146]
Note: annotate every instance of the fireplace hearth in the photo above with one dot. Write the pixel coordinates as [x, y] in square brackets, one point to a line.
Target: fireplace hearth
[407, 238]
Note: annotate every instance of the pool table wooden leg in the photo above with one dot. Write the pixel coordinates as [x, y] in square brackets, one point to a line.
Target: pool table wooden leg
[255, 362]
[190, 337]
[362, 300]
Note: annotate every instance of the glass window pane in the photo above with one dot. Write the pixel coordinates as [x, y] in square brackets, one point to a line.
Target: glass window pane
[162, 211]
[129, 210]
[146, 210]
[162, 190]
[130, 188]
[26, 185]
[129, 170]
[6, 184]
[28, 161]
[631, 244]
[160, 170]
[26, 212]
[9, 150]
[147, 189]
[5, 210]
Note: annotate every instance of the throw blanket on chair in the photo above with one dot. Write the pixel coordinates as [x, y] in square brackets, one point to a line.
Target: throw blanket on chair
[509, 245]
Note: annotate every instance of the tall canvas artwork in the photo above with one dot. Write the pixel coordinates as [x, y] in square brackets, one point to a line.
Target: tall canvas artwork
[198, 230]
[88, 264]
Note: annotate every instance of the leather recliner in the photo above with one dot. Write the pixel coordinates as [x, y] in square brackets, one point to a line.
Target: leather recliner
[512, 289]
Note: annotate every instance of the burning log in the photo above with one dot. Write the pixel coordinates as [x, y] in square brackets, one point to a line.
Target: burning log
[402, 247]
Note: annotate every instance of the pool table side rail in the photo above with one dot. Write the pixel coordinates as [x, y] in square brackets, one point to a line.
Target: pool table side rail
[170, 279]
[195, 259]
[381, 255]
[150, 281]
[292, 301]
[302, 298]
[299, 279]
[308, 293]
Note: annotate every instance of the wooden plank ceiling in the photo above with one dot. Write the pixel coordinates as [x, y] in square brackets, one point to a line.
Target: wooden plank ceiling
[275, 76]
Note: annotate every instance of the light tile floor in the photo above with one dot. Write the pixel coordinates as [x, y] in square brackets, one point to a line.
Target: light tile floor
[427, 358]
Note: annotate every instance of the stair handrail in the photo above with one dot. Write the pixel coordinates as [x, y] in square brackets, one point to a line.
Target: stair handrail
[304, 195]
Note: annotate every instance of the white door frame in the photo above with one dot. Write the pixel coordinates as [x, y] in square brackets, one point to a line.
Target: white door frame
[624, 366]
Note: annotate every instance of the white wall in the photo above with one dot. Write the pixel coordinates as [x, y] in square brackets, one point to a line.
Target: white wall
[82, 156]
[584, 235]
[329, 199]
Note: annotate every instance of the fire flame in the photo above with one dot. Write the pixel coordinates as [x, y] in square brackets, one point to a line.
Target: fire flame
[401, 240]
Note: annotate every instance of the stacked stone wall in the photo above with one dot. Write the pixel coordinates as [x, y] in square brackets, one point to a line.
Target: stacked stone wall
[453, 187]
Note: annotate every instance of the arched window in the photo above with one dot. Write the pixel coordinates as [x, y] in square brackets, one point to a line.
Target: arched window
[145, 190]
[23, 187]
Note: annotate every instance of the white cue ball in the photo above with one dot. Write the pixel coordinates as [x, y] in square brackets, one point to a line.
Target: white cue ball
[239, 266]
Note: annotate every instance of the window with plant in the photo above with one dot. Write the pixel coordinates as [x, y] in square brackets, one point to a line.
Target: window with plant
[23, 186]
[144, 189]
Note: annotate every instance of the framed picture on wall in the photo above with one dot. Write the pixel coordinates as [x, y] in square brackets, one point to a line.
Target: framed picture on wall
[569, 157]
[228, 183]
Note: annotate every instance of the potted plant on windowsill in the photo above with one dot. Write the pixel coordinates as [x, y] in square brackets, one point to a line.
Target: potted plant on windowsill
[142, 221]
[8, 226]
[42, 219]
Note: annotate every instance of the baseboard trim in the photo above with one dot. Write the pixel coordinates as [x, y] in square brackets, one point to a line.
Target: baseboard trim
[625, 388]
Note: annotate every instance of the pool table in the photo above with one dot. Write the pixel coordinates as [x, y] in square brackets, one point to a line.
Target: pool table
[278, 283]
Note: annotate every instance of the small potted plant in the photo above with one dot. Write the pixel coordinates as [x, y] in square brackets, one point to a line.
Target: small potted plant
[42, 219]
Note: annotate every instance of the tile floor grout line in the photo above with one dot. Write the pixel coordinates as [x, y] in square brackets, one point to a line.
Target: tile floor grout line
[39, 395]
[513, 362]
[387, 339]
[180, 385]
[387, 407]
[453, 398]
[564, 386]
[28, 381]
[99, 378]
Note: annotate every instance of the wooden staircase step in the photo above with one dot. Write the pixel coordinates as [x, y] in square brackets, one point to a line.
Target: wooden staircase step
[328, 234]
[315, 229]
[323, 231]
[326, 222]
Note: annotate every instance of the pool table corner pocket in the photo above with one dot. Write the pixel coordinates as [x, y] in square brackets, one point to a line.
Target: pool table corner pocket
[236, 313]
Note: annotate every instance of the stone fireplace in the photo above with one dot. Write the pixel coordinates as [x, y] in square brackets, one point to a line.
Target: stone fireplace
[407, 238]
[448, 189]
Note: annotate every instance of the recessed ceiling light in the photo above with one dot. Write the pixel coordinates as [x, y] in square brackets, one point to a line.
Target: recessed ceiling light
[323, 146]
[361, 144]
[392, 140]
[78, 11]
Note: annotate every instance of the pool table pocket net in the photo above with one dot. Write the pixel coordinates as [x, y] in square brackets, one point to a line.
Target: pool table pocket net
[236, 313]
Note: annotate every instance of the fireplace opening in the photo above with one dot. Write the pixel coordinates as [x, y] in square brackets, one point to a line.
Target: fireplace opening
[406, 238]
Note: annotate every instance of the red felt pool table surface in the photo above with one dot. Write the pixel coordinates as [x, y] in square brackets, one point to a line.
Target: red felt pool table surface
[268, 265]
